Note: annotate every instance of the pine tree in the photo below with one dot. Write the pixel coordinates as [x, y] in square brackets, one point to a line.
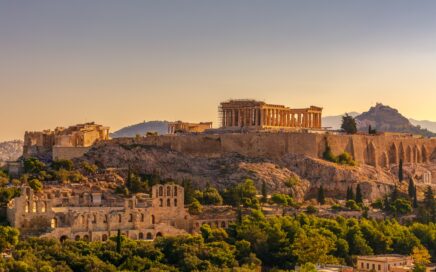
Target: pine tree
[118, 241]
[411, 188]
[359, 196]
[264, 192]
[400, 171]
[321, 197]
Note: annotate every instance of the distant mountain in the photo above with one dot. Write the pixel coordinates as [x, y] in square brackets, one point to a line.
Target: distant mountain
[387, 119]
[424, 124]
[335, 121]
[10, 150]
[161, 127]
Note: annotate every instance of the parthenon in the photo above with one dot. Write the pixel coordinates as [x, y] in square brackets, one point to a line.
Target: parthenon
[258, 115]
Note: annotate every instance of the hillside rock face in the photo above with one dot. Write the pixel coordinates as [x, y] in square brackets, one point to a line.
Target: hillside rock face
[387, 119]
[231, 168]
[10, 151]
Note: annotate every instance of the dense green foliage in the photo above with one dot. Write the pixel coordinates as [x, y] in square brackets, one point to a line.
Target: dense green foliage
[344, 158]
[280, 242]
[348, 124]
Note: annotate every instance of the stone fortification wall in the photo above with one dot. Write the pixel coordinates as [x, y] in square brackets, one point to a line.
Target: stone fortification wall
[379, 150]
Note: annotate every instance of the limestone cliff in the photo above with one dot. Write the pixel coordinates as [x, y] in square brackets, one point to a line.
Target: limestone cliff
[233, 167]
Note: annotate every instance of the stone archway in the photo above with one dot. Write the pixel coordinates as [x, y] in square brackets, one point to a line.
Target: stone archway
[63, 238]
[383, 162]
[409, 157]
[370, 155]
[149, 236]
[393, 154]
[417, 153]
[401, 153]
[159, 234]
[433, 156]
[424, 154]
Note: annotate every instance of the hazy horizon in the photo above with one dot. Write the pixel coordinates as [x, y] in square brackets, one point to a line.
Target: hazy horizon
[121, 62]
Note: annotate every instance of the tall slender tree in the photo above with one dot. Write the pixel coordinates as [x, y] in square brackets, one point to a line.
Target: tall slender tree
[321, 196]
[359, 196]
[415, 198]
[350, 193]
[264, 192]
[400, 171]
[118, 241]
[411, 188]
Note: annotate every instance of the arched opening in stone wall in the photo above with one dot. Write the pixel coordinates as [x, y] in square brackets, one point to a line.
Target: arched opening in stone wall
[417, 154]
[409, 154]
[384, 160]
[168, 191]
[159, 234]
[393, 154]
[26, 208]
[175, 202]
[77, 238]
[44, 207]
[168, 202]
[401, 153]
[86, 237]
[63, 238]
[120, 218]
[149, 236]
[433, 156]
[175, 190]
[130, 217]
[370, 155]
[160, 191]
[34, 206]
[153, 220]
[141, 236]
[424, 154]
[104, 237]
[160, 202]
[54, 223]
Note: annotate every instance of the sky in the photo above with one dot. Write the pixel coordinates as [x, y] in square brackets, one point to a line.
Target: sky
[123, 62]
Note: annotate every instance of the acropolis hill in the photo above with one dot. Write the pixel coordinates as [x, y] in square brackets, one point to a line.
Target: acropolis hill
[272, 143]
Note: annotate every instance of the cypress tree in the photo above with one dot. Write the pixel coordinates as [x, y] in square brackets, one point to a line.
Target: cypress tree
[400, 171]
[118, 241]
[359, 197]
[415, 198]
[430, 204]
[394, 194]
[411, 188]
[321, 197]
[350, 193]
[264, 192]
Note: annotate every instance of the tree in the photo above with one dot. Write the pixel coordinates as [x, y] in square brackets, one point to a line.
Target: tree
[415, 199]
[328, 154]
[321, 197]
[8, 237]
[264, 192]
[349, 124]
[312, 247]
[62, 164]
[119, 241]
[400, 171]
[35, 184]
[350, 193]
[195, 207]
[359, 197]
[411, 188]
[429, 206]
[394, 194]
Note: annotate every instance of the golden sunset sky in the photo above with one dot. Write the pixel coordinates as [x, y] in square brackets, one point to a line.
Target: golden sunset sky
[122, 62]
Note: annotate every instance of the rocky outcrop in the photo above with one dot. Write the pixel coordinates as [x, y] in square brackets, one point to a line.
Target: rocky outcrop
[231, 168]
[10, 151]
[387, 119]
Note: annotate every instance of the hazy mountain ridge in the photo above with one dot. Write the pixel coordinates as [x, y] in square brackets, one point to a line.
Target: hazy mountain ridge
[160, 127]
[334, 122]
[387, 119]
[10, 150]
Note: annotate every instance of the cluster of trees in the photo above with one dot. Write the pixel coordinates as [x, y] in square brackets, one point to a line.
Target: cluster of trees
[255, 241]
[344, 158]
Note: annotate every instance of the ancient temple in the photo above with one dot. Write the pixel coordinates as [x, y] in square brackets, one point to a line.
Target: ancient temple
[258, 115]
